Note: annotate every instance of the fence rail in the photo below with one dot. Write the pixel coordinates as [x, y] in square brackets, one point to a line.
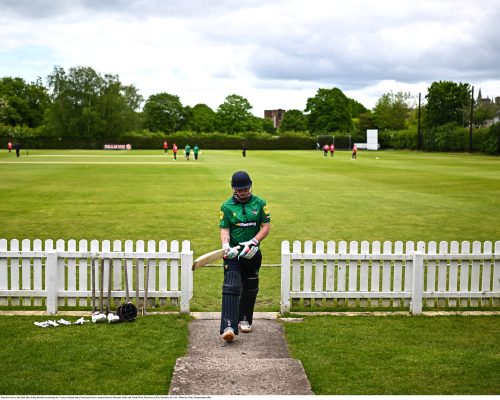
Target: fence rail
[390, 274]
[414, 275]
[38, 273]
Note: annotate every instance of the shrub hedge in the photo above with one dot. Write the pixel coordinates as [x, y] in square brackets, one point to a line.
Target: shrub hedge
[449, 137]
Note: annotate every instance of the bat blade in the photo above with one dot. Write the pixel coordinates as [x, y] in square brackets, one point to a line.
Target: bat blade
[207, 258]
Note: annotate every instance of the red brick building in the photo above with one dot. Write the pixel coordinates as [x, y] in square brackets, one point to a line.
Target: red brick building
[275, 115]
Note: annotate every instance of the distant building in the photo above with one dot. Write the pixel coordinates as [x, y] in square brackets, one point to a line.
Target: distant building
[486, 101]
[275, 115]
[481, 100]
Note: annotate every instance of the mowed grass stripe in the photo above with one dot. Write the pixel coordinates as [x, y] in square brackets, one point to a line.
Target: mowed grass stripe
[168, 162]
[385, 195]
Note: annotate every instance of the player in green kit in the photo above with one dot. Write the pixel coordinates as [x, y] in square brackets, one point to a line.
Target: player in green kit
[244, 222]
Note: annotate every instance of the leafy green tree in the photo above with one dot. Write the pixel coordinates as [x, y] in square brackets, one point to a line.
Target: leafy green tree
[329, 111]
[391, 111]
[268, 125]
[234, 115]
[22, 103]
[293, 121]
[363, 122]
[74, 98]
[4, 104]
[481, 114]
[164, 112]
[447, 102]
[357, 108]
[201, 118]
[117, 105]
[88, 107]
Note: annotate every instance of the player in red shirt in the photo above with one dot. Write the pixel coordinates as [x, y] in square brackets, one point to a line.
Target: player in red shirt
[326, 148]
[332, 149]
[165, 146]
[174, 149]
[354, 151]
[9, 146]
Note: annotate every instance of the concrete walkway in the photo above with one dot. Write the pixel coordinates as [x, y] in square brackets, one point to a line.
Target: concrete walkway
[256, 363]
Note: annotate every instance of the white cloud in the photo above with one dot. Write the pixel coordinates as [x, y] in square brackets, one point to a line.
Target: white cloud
[274, 53]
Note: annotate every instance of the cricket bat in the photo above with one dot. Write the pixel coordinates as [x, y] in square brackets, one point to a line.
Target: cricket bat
[207, 258]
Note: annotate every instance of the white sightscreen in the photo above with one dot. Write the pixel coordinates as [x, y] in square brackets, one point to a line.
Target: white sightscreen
[372, 139]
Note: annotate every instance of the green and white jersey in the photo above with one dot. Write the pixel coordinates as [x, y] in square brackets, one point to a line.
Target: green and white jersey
[243, 219]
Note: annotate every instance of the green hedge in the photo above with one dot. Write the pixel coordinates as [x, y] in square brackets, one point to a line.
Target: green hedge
[448, 137]
[487, 140]
[252, 141]
[405, 139]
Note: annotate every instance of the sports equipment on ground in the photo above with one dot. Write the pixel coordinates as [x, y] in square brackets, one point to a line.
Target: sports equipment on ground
[245, 327]
[112, 318]
[101, 286]
[208, 258]
[126, 312]
[92, 278]
[146, 286]
[137, 279]
[125, 276]
[110, 273]
[228, 334]
[98, 317]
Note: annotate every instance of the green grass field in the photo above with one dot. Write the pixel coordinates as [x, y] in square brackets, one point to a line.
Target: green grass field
[91, 359]
[399, 355]
[387, 195]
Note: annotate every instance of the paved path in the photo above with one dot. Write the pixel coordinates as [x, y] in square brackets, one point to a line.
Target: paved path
[256, 363]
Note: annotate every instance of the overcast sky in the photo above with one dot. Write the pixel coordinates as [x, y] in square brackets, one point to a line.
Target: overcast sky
[276, 54]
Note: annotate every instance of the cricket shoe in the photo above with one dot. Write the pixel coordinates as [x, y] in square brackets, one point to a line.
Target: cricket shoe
[245, 327]
[228, 334]
[113, 319]
[98, 317]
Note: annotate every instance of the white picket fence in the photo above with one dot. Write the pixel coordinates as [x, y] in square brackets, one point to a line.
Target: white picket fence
[38, 273]
[390, 275]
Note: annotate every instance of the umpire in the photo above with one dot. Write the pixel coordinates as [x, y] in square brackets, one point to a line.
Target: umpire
[244, 222]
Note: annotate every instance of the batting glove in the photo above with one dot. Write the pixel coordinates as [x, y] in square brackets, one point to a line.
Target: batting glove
[250, 248]
[231, 252]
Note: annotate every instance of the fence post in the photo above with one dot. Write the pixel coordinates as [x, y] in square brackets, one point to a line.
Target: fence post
[51, 281]
[285, 277]
[417, 284]
[186, 262]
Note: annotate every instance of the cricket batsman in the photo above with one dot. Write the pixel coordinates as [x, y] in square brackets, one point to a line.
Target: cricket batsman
[244, 222]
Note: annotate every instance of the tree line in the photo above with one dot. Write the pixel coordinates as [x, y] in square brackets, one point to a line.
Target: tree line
[88, 108]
